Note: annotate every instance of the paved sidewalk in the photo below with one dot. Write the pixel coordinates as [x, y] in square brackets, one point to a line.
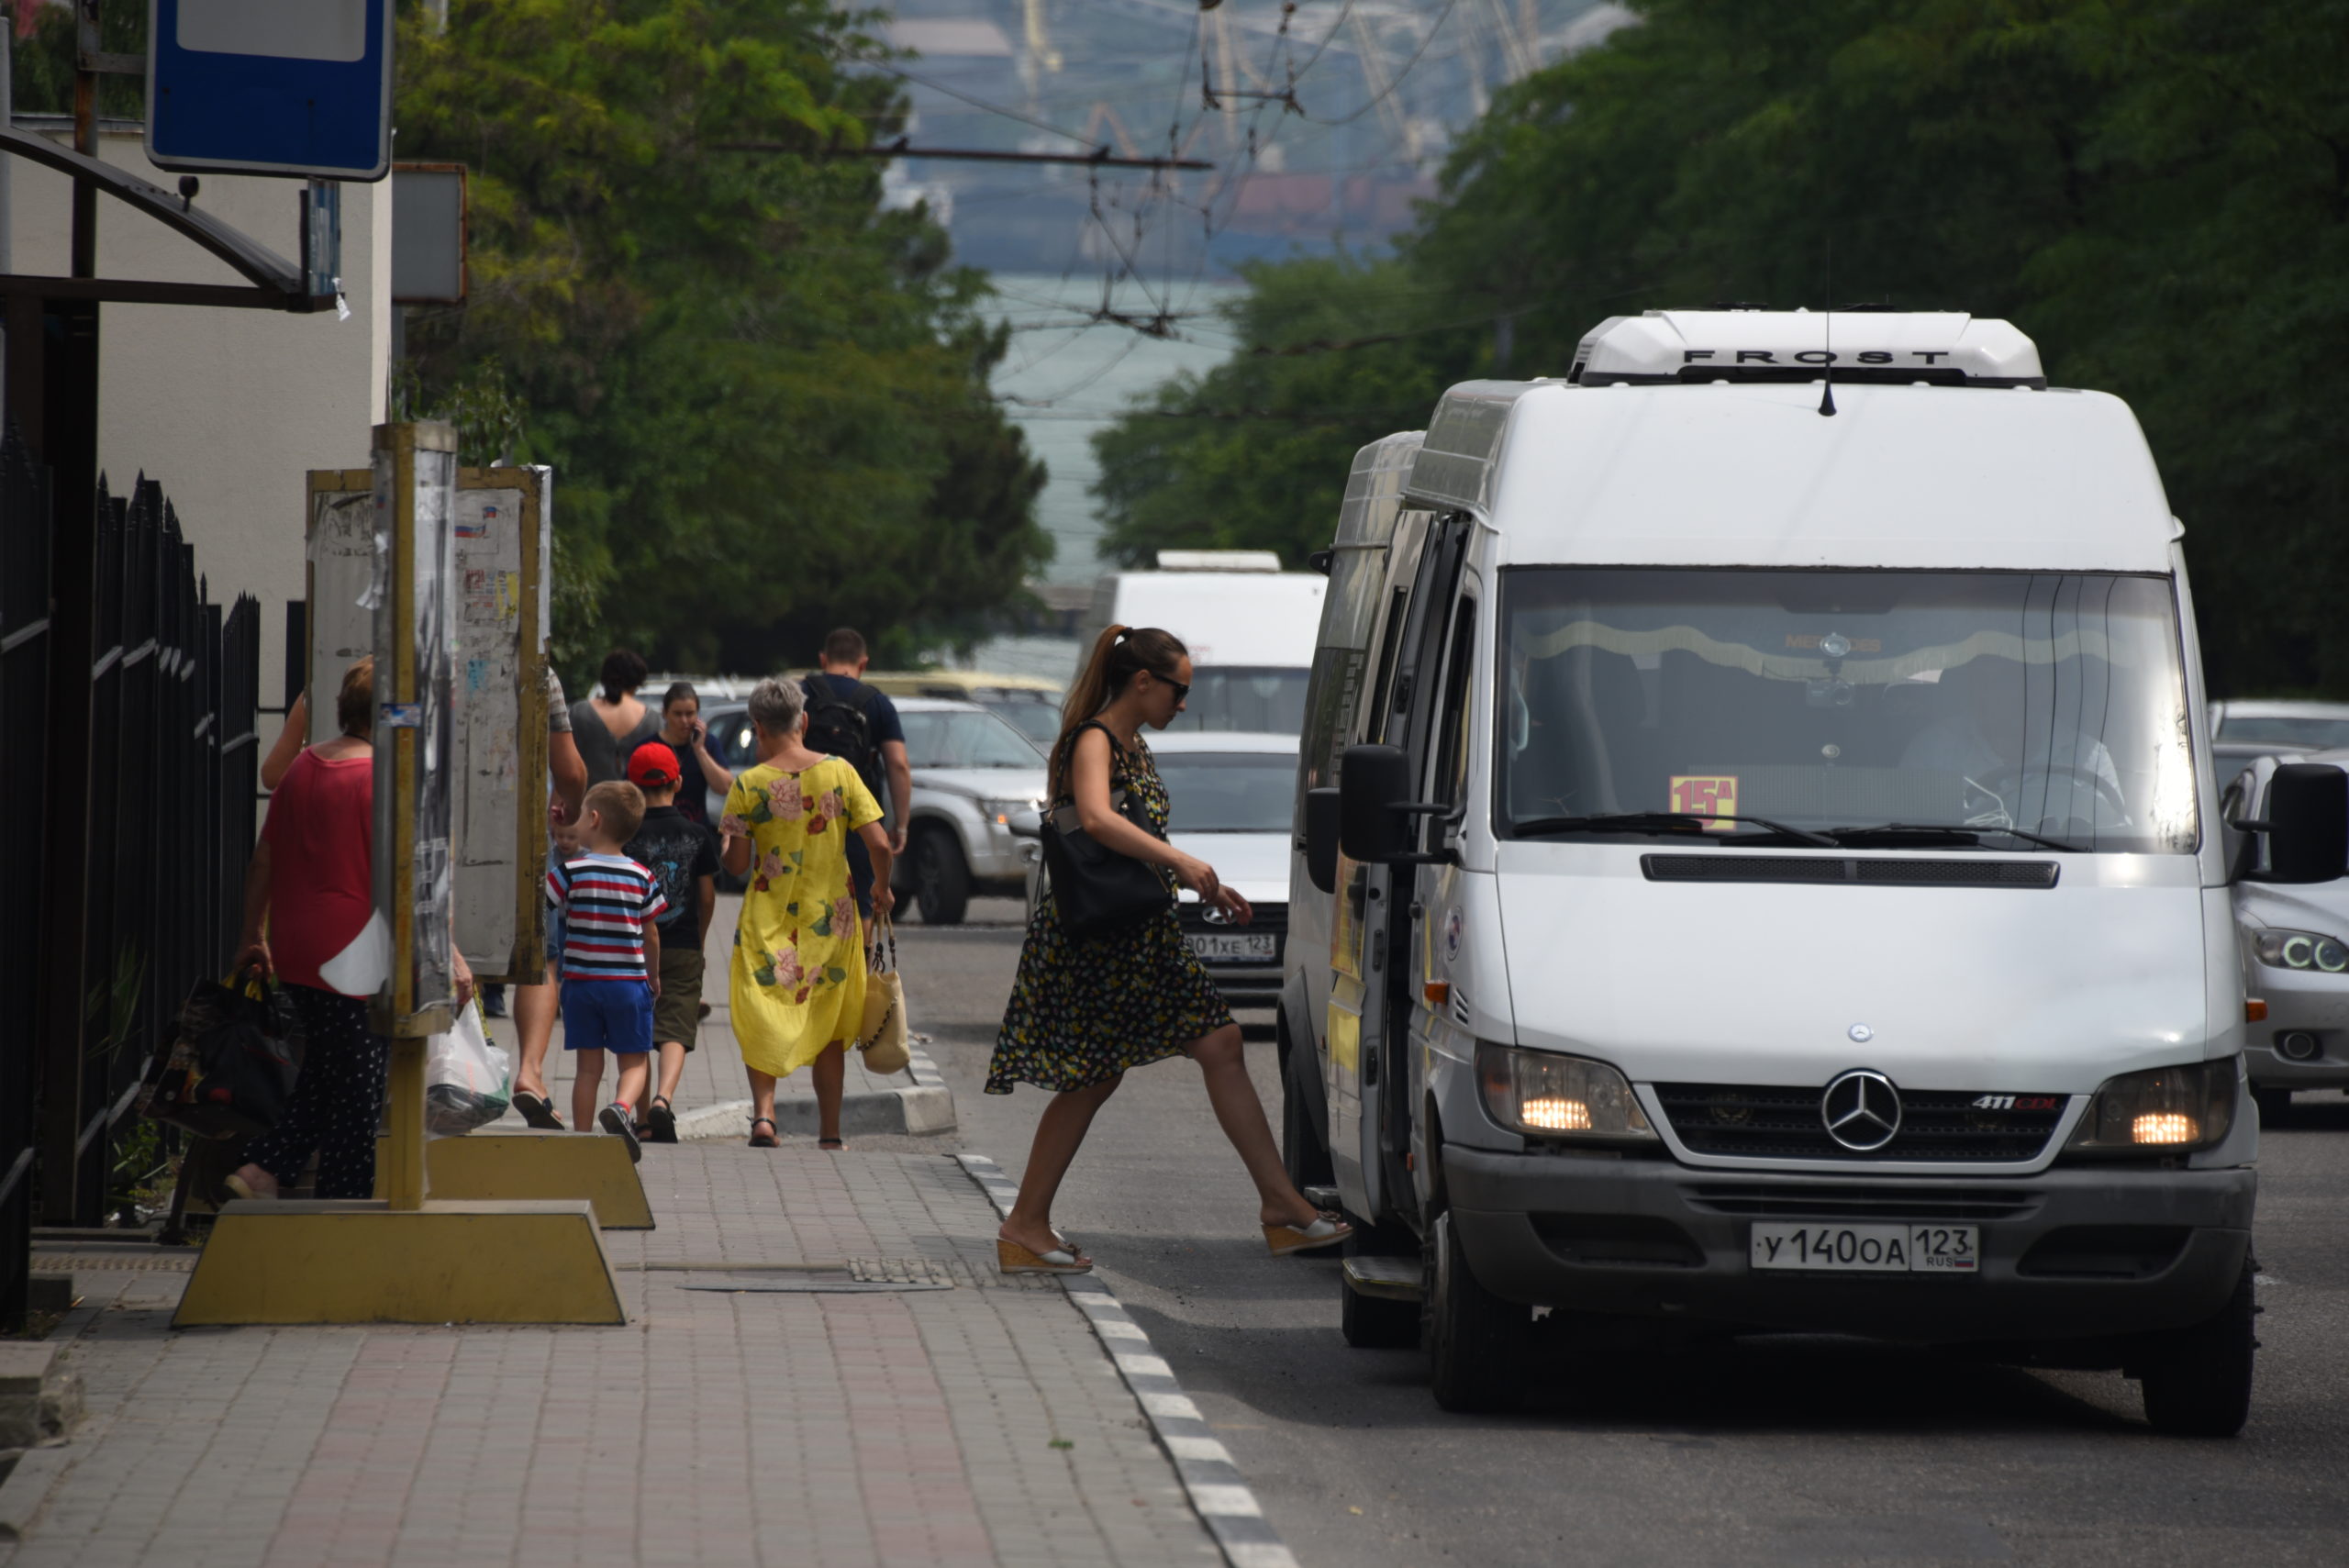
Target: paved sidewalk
[752, 1410]
[713, 1098]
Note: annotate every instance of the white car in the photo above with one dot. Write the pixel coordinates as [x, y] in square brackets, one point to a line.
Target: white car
[2295, 958]
[973, 772]
[1231, 798]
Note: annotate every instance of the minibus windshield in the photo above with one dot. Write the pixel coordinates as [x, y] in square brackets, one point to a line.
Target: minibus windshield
[2024, 710]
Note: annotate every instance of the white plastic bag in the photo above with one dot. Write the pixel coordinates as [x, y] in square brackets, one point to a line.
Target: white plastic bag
[468, 1082]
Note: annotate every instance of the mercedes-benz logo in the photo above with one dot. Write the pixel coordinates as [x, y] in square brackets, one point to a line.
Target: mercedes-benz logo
[1861, 1111]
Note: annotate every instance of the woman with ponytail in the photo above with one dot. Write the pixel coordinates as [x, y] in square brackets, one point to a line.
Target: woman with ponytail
[1084, 1009]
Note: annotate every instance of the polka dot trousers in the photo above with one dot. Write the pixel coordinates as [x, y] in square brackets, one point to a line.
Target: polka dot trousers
[336, 1100]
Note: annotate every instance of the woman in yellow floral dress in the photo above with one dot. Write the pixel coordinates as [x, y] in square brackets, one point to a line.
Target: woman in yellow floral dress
[797, 988]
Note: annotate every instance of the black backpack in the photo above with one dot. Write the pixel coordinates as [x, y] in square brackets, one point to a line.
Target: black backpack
[836, 724]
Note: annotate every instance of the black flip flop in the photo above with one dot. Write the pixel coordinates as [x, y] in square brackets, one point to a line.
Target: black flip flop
[661, 1120]
[537, 1110]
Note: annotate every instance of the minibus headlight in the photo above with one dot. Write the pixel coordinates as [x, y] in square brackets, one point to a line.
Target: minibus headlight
[2303, 949]
[1543, 1095]
[2168, 1110]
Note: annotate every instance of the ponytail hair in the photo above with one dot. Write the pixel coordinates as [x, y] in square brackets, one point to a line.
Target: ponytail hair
[1119, 654]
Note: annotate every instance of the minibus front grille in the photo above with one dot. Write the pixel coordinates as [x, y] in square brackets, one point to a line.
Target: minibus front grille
[1855, 870]
[1797, 1200]
[1766, 1122]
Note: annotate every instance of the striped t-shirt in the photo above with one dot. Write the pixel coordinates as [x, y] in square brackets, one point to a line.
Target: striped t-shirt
[607, 901]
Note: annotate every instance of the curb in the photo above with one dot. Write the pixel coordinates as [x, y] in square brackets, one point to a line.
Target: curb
[923, 1106]
[1224, 1502]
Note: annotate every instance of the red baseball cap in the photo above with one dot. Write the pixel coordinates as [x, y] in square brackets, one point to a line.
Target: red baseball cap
[652, 766]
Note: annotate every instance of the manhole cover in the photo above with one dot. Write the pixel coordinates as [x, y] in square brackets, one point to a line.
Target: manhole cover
[847, 1276]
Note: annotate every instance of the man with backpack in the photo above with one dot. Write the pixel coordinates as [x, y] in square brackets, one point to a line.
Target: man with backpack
[848, 719]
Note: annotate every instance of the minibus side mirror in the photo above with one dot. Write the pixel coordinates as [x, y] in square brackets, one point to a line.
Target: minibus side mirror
[2306, 824]
[1321, 838]
[1376, 808]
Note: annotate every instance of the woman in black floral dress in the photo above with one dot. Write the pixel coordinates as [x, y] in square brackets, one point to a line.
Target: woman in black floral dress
[1083, 1010]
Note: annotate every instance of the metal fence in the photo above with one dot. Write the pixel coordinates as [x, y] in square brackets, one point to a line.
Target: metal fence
[171, 775]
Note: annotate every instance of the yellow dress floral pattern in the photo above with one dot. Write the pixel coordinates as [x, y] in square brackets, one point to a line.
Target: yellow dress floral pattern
[797, 981]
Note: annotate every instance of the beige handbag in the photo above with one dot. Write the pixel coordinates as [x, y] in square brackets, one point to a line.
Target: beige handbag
[883, 1038]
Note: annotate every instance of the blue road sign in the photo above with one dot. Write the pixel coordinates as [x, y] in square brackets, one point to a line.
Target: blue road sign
[298, 87]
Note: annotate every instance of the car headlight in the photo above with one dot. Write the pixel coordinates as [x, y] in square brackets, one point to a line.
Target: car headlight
[1001, 812]
[2303, 949]
[1543, 1095]
[2167, 1110]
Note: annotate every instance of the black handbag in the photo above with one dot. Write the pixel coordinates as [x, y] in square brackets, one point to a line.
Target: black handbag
[1098, 890]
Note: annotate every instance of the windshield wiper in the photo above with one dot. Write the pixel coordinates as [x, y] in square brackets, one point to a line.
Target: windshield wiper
[1947, 832]
[1663, 822]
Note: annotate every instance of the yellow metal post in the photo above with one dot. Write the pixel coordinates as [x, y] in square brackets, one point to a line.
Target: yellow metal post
[400, 1163]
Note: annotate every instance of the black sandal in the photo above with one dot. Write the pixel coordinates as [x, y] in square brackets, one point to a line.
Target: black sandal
[763, 1139]
[538, 1111]
[833, 1144]
[661, 1120]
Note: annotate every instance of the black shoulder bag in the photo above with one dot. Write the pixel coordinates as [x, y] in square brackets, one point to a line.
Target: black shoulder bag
[1100, 891]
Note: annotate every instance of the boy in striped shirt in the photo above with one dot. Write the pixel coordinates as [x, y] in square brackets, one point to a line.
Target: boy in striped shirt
[611, 958]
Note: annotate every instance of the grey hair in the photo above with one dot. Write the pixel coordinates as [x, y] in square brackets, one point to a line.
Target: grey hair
[776, 705]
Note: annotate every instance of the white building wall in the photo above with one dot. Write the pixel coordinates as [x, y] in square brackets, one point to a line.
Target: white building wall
[228, 410]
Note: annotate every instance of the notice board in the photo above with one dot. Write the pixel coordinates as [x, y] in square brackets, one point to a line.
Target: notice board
[496, 755]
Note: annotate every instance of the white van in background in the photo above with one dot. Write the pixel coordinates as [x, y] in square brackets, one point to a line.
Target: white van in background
[1774, 878]
[1249, 626]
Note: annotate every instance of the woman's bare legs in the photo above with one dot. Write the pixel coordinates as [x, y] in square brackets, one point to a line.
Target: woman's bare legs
[1223, 1062]
[1059, 1133]
[761, 1096]
[534, 1009]
[830, 1071]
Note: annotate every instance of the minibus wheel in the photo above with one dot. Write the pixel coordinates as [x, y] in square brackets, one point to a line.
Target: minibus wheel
[2200, 1383]
[1478, 1345]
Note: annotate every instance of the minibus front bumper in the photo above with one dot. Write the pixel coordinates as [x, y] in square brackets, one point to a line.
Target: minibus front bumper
[2079, 1251]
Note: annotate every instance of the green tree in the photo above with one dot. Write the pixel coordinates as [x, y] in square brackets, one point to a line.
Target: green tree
[1254, 454]
[764, 394]
[2156, 190]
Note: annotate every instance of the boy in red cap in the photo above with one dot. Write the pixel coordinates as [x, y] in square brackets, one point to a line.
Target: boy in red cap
[682, 855]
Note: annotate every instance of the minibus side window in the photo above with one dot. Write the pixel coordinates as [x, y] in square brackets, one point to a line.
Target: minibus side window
[1452, 748]
[1390, 643]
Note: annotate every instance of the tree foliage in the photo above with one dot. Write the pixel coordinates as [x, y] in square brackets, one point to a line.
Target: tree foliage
[764, 395]
[2155, 190]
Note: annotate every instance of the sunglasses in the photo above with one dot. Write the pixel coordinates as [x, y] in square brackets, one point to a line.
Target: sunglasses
[1182, 688]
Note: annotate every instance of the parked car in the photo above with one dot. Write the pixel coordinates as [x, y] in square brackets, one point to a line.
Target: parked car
[2245, 728]
[1233, 797]
[972, 772]
[2295, 958]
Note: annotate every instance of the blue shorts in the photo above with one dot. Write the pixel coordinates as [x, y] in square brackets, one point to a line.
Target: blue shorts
[607, 1015]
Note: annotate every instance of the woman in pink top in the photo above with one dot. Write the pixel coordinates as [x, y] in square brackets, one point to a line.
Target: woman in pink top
[312, 882]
